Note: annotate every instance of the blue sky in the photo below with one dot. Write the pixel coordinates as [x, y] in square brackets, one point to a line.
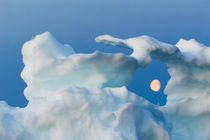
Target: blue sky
[79, 22]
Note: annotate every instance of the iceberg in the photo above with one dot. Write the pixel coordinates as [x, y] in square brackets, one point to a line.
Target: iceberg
[76, 96]
[79, 97]
[188, 89]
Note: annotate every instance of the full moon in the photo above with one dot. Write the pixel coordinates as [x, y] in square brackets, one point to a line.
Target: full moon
[155, 85]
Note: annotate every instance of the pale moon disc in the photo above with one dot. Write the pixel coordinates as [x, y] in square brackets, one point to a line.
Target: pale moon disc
[155, 85]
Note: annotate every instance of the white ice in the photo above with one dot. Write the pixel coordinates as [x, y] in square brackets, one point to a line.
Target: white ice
[188, 89]
[83, 96]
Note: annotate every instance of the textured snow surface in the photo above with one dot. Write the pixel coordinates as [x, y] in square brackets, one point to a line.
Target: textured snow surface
[86, 114]
[83, 96]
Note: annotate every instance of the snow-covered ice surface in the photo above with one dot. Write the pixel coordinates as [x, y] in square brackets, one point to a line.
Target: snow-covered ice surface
[83, 96]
